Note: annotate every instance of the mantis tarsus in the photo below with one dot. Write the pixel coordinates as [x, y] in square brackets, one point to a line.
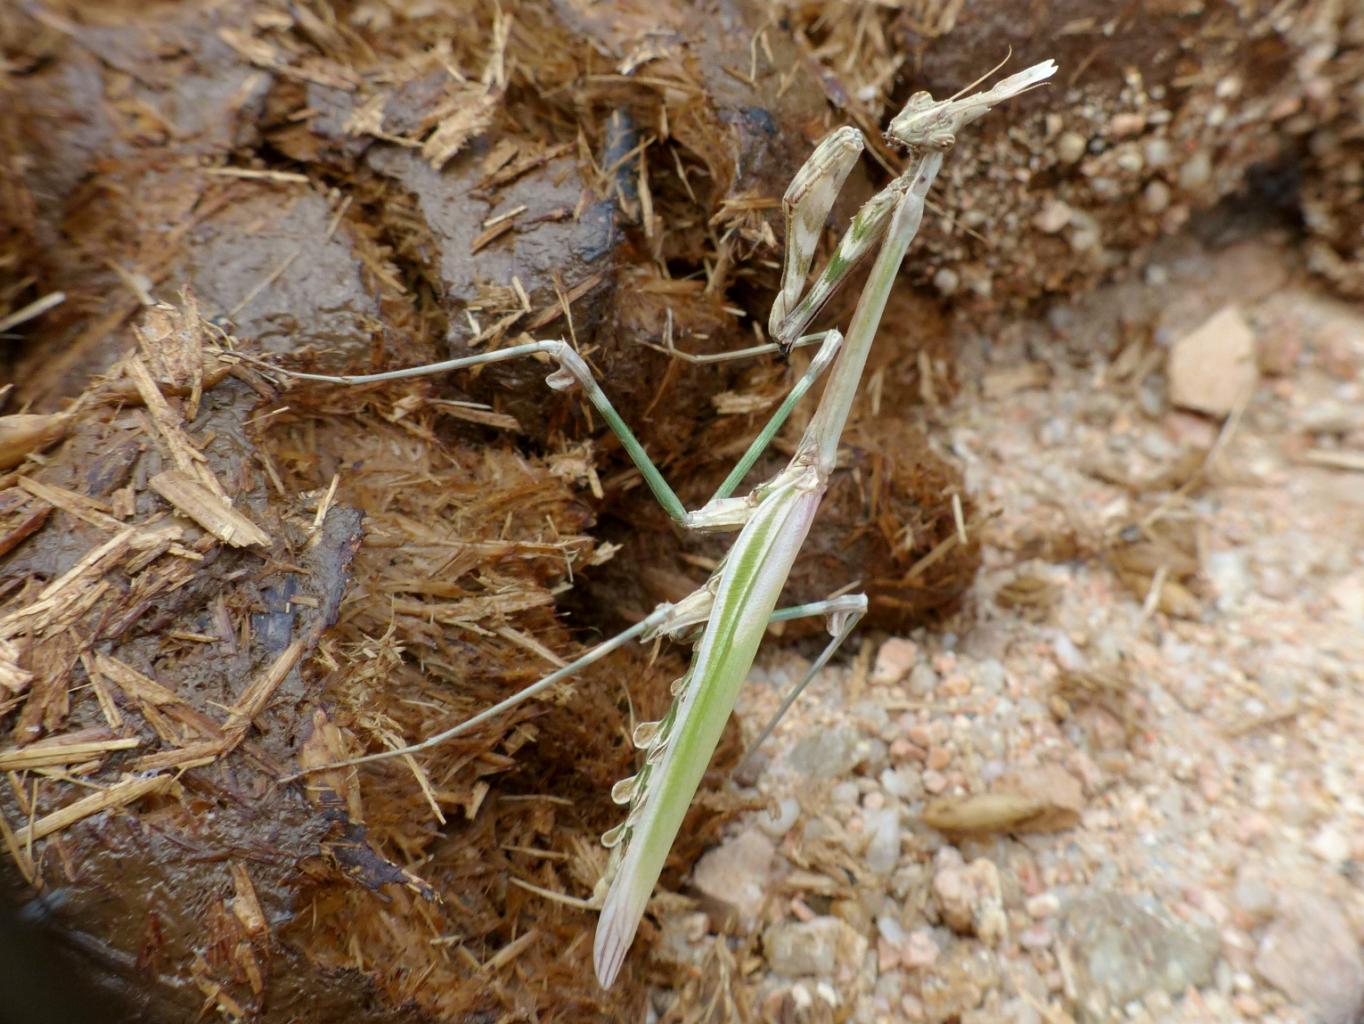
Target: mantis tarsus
[739, 600]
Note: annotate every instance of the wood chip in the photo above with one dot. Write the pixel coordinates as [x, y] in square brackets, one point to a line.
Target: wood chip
[994, 812]
[473, 414]
[151, 694]
[512, 950]
[1334, 459]
[88, 510]
[209, 510]
[548, 315]
[471, 113]
[254, 698]
[70, 590]
[172, 343]
[48, 753]
[118, 795]
[215, 994]
[168, 424]
[246, 906]
[12, 677]
[24, 433]
[1042, 799]
[1005, 382]
[35, 308]
[133, 683]
[19, 853]
[248, 172]
[490, 235]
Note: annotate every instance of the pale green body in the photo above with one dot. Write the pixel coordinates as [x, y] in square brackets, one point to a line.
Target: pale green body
[750, 583]
[751, 580]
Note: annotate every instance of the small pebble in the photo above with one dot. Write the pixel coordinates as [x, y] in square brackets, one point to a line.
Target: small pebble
[891, 930]
[922, 681]
[1156, 197]
[1125, 124]
[1312, 956]
[903, 750]
[1248, 1005]
[845, 794]
[1053, 217]
[920, 735]
[1070, 147]
[956, 686]
[1196, 171]
[1044, 904]
[779, 819]
[990, 676]
[1157, 152]
[934, 782]
[1213, 367]
[901, 783]
[1121, 949]
[811, 947]
[883, 852]
[921, 950]
[1331, 846]
[894, 661]
[1128, 158]
[827, 753]
[736, 873]
[970, 897]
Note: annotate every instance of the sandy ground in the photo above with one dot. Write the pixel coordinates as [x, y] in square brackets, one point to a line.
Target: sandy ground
[1199, 725]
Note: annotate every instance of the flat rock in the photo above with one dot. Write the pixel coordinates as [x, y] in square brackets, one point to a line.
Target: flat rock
[1122, 951]
[970, 897]
[894, 660]
[736, 873]
[817, 947]
[1311, 955]
[959, 982]
[827, 753]
[883, 849]
[1213, 366]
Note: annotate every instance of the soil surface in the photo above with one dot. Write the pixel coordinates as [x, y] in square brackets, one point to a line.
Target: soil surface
[1176, 822]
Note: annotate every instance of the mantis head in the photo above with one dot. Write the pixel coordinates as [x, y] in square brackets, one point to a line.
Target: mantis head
[926, 123]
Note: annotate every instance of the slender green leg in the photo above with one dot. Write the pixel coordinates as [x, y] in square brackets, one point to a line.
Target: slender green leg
[706, 358]
[573, 370]
[844, 614]
[654, 621]
[829, 342]
[663, 618]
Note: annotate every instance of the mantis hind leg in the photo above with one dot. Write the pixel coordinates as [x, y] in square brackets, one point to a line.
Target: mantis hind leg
[663, 620]
[844, 613]
[655, 621]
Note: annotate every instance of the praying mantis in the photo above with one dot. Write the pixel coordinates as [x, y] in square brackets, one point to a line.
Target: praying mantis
[737, 603]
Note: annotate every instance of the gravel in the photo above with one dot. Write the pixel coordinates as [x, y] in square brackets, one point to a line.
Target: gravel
[1176, 840]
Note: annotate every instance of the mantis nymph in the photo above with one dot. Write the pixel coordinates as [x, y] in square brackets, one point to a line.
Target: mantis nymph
[739, 600]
